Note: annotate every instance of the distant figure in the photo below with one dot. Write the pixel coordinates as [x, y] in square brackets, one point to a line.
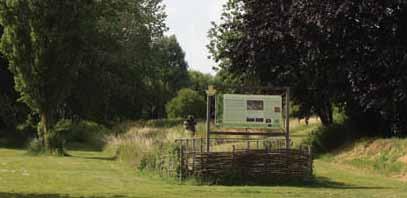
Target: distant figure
[307, 120]
[190, 125]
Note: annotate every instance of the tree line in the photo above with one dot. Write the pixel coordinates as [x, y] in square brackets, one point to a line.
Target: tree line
[349, 54]
[100, 60]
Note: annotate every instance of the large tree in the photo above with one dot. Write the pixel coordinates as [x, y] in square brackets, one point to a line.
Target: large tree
[366, 40]
[46, 43]
[350, 53]
[115, 86]
[169, 73]
[257, 40]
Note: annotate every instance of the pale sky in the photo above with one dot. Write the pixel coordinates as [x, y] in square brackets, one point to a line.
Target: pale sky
[190, 21]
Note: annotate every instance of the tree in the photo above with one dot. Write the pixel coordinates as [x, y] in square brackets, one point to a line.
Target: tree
[169, 74]
[329, 52]
[116, 85]
[258, 41]
[46, 43]
[367, 41]
[200, 81]
[7, 96]
[187, 102]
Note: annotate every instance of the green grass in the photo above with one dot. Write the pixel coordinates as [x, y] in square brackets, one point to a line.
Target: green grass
[94, 174]
[382, 156]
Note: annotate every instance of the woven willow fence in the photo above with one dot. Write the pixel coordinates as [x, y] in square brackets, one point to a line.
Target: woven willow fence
[246, 159]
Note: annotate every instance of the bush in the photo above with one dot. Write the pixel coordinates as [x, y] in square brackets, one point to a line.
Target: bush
[187, 102]
[86, 134]
[326, 139]
[35, 147]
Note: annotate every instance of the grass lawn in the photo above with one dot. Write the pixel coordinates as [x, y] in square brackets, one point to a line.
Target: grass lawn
[94, 174]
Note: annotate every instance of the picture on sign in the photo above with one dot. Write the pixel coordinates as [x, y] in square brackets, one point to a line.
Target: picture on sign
[249, 111]
[255, 105]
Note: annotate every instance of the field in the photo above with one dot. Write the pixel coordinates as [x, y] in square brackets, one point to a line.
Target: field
[96, 174]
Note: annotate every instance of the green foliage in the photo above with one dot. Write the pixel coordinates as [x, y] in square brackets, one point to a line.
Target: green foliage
[318, 50]
[169, 73]
[86, 135]
[115, 87]
[35, 147]
[326, 139]
[46, 43]
[187, 102]
[200, 81]
[99, 62]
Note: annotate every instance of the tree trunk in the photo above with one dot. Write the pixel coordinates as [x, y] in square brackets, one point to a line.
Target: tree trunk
[325, 114]
[44, 131]
[50, 141]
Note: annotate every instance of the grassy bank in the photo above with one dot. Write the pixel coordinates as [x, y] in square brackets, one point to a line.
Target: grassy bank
[381, 156]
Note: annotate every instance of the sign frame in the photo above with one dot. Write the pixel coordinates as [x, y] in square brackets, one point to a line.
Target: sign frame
[284, 131]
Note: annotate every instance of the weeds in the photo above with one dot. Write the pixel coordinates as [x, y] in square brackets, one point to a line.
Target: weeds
[144, 147]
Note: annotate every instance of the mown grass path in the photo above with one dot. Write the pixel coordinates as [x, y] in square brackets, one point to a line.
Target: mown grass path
[94, 174]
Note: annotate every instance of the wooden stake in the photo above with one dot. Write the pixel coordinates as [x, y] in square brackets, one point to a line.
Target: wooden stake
[287, 118]
[181, 157]
[208, 118]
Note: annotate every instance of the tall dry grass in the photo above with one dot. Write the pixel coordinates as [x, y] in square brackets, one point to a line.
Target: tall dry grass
[142, 146]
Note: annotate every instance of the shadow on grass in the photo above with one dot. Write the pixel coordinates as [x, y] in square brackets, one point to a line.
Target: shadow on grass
[75, 146]
[324, 182]
[96, 158]
[317, 182]
[32, 195]
[107, 158]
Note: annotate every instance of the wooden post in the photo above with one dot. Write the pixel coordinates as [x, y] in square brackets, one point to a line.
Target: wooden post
[181, 163]
[257, 144]
[248, 145]
[193, 145]
[202, 141]
[187, 145]
[310, 161]
[287, 118]
[208, 118]
[233, 155]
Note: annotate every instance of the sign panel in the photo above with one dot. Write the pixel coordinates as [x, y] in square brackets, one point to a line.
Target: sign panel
[249, 111]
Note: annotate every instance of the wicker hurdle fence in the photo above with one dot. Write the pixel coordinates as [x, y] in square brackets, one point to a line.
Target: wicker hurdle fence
[244, 158]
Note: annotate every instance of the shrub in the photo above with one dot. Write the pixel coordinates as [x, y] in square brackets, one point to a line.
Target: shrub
[86, 134]
[187, 102]
[326, 139]
[35, 147]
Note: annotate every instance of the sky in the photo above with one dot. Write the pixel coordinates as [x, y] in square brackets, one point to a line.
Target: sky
[190, 21]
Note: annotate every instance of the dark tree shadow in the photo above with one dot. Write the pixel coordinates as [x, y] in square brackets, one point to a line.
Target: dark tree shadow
[112, 158]
[75, 146]
[316, 182]
[324, 182]
[107, 158]
[34, 195]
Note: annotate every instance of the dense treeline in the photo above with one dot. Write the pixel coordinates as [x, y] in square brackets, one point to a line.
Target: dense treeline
[351, 54]
[99, 60]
